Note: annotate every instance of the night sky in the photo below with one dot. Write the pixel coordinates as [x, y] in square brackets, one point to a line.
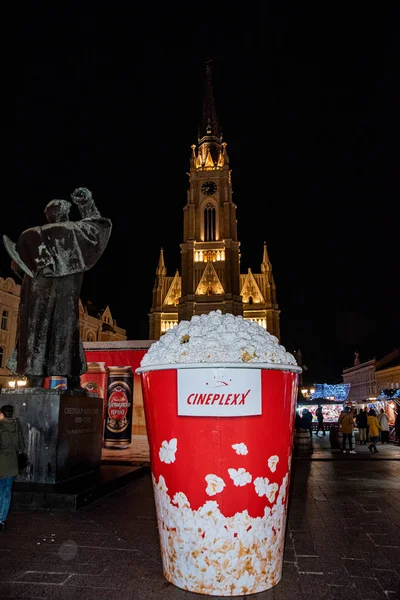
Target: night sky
[110, 98]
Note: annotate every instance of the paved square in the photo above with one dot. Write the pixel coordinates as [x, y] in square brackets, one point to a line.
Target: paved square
[343, 541]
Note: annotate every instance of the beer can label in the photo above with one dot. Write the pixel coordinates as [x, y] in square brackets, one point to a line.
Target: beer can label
[118, 406]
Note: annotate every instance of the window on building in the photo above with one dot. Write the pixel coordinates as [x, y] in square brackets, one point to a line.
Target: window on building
[4, 319]
[1, 356]
[210, 220]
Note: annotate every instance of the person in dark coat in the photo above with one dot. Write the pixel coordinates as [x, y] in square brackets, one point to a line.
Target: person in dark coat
[307, 419]
[320, 416]
[362, 423]
[52, 260]
[10, 445]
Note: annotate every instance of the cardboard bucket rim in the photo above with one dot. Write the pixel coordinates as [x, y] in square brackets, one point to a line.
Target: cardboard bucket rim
[221, 365]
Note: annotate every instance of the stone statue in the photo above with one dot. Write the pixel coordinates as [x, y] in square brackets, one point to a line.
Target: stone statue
[51, 259]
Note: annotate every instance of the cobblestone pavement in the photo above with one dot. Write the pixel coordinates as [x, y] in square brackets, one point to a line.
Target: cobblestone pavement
[343, 542]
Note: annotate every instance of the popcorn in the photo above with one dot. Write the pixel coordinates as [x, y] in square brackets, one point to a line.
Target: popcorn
[168, 450]
[217, 338]
[271, 491]
[240, 448]
[240, 477]
[272, 462]
[261, 484]
[215, 484]
[207, 553]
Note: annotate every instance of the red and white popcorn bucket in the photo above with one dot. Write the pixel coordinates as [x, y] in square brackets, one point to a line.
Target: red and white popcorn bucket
[221, 438]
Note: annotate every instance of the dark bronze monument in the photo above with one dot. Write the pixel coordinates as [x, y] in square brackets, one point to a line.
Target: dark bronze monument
[62, 428]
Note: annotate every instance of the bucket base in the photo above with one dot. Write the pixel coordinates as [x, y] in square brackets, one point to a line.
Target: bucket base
[195, 590]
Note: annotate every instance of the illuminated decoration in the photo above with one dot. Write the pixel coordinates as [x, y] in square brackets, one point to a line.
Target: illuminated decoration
[389, 394]
[337, 392]
[307, 392]
[209, 284]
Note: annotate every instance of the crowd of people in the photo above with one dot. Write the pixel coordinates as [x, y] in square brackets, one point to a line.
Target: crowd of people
[373, 426]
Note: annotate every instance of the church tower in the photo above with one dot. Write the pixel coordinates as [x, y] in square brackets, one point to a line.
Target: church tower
[210, 268]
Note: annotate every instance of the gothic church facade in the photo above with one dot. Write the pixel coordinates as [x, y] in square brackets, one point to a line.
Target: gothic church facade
[210, 277]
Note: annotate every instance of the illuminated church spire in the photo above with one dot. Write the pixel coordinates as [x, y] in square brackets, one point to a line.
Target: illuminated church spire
[161, 269]
[211, 151]
[265, 265]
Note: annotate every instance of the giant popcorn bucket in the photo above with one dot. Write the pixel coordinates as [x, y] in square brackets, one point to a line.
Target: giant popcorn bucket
[221, 438]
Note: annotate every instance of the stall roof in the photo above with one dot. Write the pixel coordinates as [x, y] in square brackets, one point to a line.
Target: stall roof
[321, 401]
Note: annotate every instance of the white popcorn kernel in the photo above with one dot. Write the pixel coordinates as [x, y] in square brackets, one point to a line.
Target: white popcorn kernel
[168, 450]
[272, 462]
[240, 477]
[271, 491]
[261, 484]
[240, 448]
[215, 484]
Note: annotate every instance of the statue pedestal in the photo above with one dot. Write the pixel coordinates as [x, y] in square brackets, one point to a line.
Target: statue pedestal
[62, 431]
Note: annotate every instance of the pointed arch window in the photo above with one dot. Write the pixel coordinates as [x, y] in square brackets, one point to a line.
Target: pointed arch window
[210, 222]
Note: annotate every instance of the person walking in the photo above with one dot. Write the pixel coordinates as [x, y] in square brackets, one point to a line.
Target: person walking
[10, 445]
[366, 414]
[320, 416]
[362, 422]
[307, 420]
[374, 429]
[346, 424]
[384, 423]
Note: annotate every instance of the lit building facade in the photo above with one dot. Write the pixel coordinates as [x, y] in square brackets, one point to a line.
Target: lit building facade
[210, 276]
[9, 303]
[369, 378]
[98, 325]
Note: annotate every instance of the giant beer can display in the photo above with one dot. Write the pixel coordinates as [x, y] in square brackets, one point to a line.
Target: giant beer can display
[221, 438]
[119, 407]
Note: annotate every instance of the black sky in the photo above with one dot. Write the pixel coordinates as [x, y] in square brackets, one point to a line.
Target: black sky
[110, 98]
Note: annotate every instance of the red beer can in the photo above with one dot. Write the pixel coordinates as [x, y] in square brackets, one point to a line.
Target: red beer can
[119, 407]
[95, 382]
[95, 379]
